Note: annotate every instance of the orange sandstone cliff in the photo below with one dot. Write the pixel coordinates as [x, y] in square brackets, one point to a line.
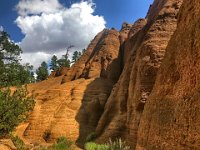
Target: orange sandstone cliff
[139, 84]
[170, 119]
[146, 49]
[72, 100]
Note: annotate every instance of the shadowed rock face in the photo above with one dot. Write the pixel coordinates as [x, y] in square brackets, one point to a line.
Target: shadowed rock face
[125, 105]
[130, 40]
[171, 115]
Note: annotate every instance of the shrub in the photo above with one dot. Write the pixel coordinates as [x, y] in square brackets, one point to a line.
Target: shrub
[91, 137]
[14, 108]
[62, 143]
[117, 145]
[111, 145]
[94, 146]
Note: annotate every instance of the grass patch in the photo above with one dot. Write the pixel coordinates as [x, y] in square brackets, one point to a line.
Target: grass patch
[62, 143]
[111, 145]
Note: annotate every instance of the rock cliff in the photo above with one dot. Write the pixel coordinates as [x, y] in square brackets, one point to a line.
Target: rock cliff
[139, 84]
[146, 49]
[171, 115]
[72, 100]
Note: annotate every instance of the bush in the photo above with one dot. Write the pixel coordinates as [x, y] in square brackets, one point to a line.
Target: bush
[117, 145]
[94, 146]
[111, 145]
[14, 109]
[91, 137]
[63, 143]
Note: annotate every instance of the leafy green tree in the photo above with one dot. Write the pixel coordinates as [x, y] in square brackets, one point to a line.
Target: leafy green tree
[63, 62]
[54, 63]
[26, 73]
[14, 108]
[42, 72]
[75, 56]
[9, 51]
[12, 73]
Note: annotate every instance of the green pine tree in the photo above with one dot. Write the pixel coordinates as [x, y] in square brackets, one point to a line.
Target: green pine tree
[54, 63]
[42, 72]
[12, 73]
[75, 56]
[14, 108]
[63, 62]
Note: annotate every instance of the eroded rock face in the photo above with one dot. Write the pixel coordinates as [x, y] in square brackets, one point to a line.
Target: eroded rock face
[7, 144]
[125, 105]
[171, 115]
[71, 109]
[129, 42]
[76, 70]
[85, 98]
[104, 61]
[71, 102]
[124, 32]
[101, 59]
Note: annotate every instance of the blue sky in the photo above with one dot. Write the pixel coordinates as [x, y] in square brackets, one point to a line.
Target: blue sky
[114, 11]
[46, 27]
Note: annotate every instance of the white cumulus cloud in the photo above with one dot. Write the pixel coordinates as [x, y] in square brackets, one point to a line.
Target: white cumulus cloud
[26, 7]
[49, 27]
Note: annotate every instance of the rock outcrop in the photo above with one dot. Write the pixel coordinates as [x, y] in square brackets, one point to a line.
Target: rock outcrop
[71, 109]
[139, 84]
[146, 48]
[72, 100]
[171, 115]
[101, 59]
[7, 144]
[76, 70]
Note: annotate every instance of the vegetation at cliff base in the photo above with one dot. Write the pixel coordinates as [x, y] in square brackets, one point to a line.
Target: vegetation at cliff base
[111, 145]
[14, 108]
[63, 143]
[15, 104]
